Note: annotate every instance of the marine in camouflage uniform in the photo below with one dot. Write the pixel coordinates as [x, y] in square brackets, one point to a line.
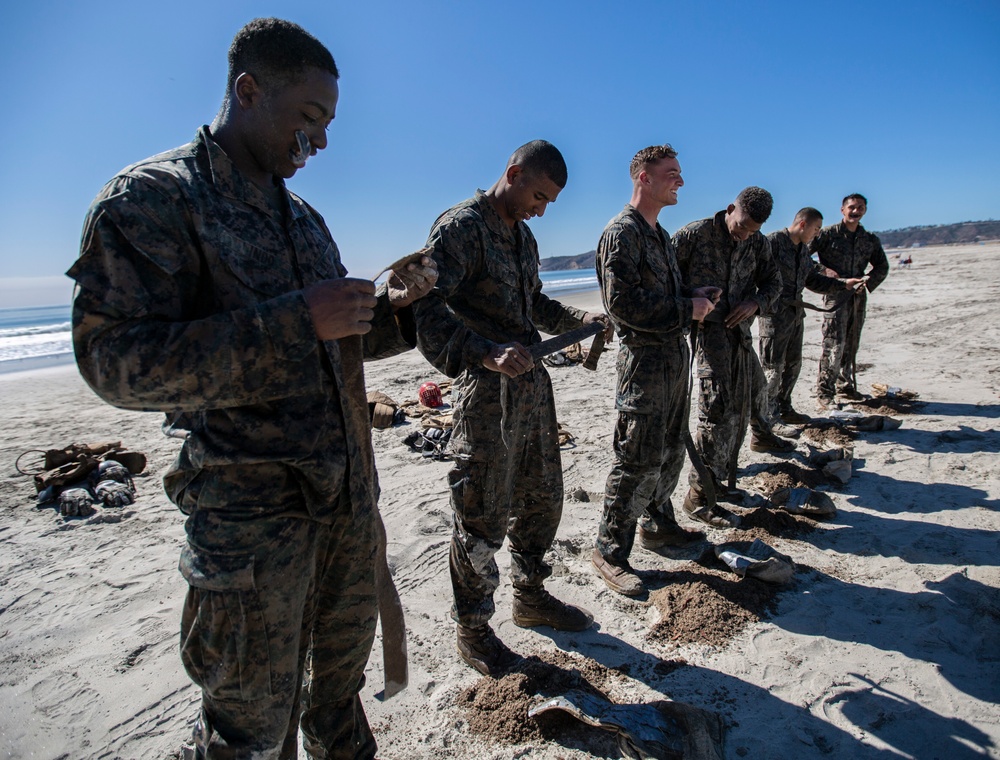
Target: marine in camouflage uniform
[728, 251]
[852, 252]
[507, 476]
[781, 328]
[642, 292]
[194, 299]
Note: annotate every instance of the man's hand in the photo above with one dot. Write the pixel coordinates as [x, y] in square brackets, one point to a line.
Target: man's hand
[510, 359]
[604, 319]
[710, 292]
[341, 307]
[701, 307]
[411, 282]
[741, 311]
[855, 283]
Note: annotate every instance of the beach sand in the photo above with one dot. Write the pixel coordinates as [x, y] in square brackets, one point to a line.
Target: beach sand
[886, 644]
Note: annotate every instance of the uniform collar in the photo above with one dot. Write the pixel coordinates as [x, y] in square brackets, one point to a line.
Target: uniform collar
[493, 219]
[231, 183]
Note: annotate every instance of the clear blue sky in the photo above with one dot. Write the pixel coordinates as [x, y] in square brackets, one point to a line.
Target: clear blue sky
[812, 100]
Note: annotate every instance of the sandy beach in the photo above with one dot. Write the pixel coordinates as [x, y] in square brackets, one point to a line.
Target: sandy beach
[886, 644]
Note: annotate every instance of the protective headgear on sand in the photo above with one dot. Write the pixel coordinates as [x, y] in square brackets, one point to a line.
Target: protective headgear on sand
[430, 395]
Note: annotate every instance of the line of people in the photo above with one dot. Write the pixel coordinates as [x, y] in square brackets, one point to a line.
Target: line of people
[208, 291]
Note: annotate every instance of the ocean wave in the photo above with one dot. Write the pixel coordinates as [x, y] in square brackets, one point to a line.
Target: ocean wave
[32, 330]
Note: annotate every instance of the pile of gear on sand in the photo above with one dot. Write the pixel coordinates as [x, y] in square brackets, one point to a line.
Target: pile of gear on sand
[81, 476]
[433, 414]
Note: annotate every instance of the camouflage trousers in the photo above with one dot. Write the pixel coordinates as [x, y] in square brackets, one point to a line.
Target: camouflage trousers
[841, 339]
[277, 627]
[729, 375]
[648, 451]
[780, 357]
[506, 483]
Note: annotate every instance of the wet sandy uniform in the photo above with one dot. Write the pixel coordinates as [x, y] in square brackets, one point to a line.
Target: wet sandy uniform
[849, 254]
[781, 328]
[642, 291]
[505, 440]
[708, 255]
[190, 303]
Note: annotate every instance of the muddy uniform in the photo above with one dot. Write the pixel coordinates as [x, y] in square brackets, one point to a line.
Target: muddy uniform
[708, 255]
[505, 439]
[781, 328]
[642, 291]
[849, 254]
[191, 303]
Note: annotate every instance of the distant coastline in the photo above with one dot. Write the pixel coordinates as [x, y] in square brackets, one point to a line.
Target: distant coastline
[908, 237]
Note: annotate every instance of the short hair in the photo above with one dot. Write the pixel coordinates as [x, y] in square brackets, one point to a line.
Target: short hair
[757, 202]
[274, 50]
[807, 215]
[539, 156]
[854, 197]
[648, 156]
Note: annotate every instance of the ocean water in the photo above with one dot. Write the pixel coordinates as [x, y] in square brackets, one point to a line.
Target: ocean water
[35, 337]
[40, 336]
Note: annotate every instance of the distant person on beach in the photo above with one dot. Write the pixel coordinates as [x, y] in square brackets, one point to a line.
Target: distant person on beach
[642, 291]
[781, 328]
[507, 478]
[727, 250]
[851, 251]
[209, 291]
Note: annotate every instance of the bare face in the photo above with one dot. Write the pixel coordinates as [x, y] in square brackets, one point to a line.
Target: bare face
[664, 180]
[853, 210]
[811, 230]
[307, 105]
[739, 223]
[529, 195]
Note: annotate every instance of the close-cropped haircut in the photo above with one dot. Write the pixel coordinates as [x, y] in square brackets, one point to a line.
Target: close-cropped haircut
[757, 202]
[807, 215]
[541, 157]
[648, 156]
[273, 50]
[854, 197]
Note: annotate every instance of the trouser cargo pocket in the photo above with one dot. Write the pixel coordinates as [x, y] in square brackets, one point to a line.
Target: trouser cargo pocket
[224, 644]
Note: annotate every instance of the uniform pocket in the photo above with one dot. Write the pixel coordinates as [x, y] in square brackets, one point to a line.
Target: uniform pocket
[224, 644]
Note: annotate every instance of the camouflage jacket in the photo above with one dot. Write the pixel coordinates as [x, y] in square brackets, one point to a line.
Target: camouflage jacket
[708, 255]
[798, 270]
[849, 253]
[190, 302]
[640, 282]
[488, 290]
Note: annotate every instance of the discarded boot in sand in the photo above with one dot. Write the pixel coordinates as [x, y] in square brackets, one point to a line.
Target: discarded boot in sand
[804, 501]
[660, 729]
[758, 560]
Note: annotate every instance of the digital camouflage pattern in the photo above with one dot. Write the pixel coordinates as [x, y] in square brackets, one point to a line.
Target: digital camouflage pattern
[190, 303]
[849, 254]
[708, 255]
[781, 328]
[507, 478]
[642, 291]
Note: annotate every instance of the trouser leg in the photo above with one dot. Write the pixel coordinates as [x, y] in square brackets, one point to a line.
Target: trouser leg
[344, 612]
[537, 481]
[852, 339]
[831, 358]
[242, 629]
[631, 484]
[659, 514]
[791, 366]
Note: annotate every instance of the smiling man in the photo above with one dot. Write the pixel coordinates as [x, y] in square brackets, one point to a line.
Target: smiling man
[208, 291]
[642, 291]
[728, 251]
[850, 251]
[507, 478]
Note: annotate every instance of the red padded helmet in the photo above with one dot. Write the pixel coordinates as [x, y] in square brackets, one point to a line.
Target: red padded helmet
[430, 395]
